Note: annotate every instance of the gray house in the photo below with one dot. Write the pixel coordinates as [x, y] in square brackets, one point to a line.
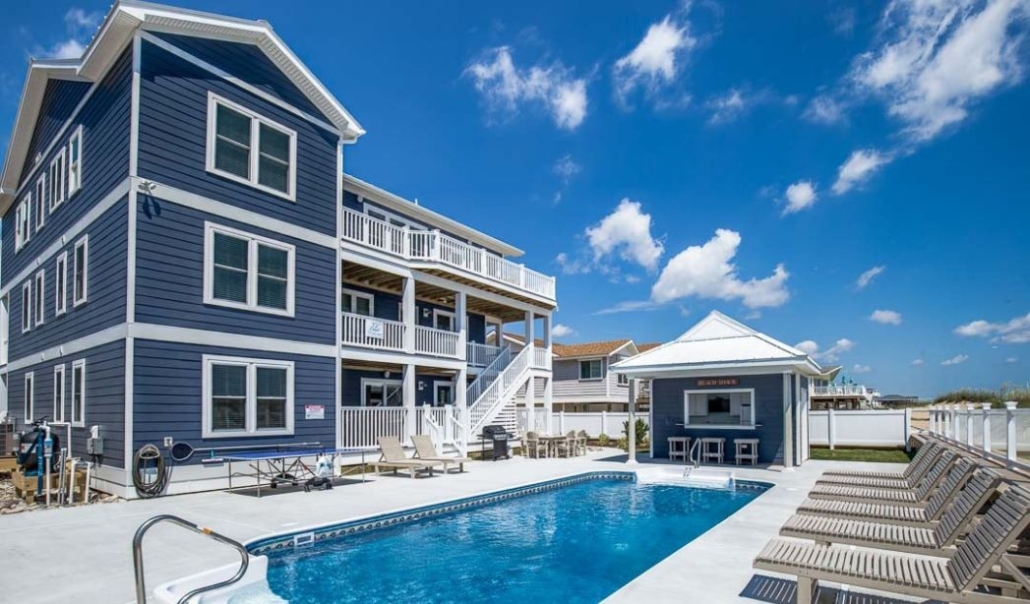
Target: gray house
[722, 379]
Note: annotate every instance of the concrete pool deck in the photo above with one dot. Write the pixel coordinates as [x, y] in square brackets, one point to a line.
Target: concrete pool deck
[84, 554]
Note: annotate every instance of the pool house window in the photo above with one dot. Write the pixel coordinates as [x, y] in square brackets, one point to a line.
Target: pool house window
[723, 408]
[247, 397]
[78, 393]
[590, 370]
[250, 148]
[246, 271]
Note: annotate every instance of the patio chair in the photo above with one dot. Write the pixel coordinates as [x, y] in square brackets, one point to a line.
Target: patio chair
[920, 463]
[581, 441]
[426, 451]
[892, 513]
[535, 447]
[565, 447]
[907, 496]
[981, 571]
[392, 457]
[928, 541]
[920, 466]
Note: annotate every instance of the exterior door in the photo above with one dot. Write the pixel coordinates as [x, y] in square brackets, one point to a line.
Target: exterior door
[443, 394]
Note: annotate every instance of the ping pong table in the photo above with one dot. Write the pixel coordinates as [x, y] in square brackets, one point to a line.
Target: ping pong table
[286, 466]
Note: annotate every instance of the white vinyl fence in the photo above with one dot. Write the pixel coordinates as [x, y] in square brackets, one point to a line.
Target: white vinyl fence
[1001, 433]
[609, 423]
[867, 428]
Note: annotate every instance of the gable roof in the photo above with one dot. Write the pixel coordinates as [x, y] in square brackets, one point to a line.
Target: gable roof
[718, 341]
[591, 349]
[648, 346]
[121, 22]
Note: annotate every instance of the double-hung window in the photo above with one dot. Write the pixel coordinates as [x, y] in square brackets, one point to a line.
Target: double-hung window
[78, 393]
[590, 369]
[623, 379]
[39, 298]
[243, 270]
[40, 199]
[23, 223]
[75, 162]
[80, 276]
[250, 148]
[61, 285]
[29, 400]
[244, 397]
[26, 306]
[358, 303]
[58, 393]
[57, 180]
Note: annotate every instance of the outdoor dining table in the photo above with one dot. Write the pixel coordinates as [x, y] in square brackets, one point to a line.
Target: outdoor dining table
[552, 442]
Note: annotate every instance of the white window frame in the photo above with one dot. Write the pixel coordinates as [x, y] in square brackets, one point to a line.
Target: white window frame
[58, 180]
[686, 409]
[29, 396]
[445, 313]
[61, 285]
[23, 223]
[389, 216]
[365, 382]
[27, 307]
[354, 294]
[436, 385]
[252, 364]
[39, 299]
[579, 370]
[79, 422]
[253, 240]
[59, 381]
[40, 200]
[256, 119]
[74, 178]
[622, 379]
[76, 298]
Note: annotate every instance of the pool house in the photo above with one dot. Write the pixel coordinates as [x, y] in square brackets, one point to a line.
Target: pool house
[722, 384]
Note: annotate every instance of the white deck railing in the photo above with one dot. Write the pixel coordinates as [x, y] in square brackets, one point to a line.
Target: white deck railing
[359, 330]
[435, 246]
[500, 390]
[541, 360]
[481, 355]
[840, 390]
[437, 342]
[362, 426]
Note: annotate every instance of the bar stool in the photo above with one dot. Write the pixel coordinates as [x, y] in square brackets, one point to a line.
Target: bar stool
[747, 450]
[713, 449]
[679, 447]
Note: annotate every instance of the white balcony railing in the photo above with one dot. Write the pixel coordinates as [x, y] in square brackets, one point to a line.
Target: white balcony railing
[362, 426]
[370, 332]
[541, 360]
[437, 342]
[435, 246]
[840, 390]
[481, 355]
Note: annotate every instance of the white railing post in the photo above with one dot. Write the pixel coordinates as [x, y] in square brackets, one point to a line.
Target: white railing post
[954, 422]
[986, 407]
[448, 430]
[406, 243]
[1010, 430]
[969, 424]
[604, 423]
[831, 427]
[933, 420]
[561, 422]
[908, 429]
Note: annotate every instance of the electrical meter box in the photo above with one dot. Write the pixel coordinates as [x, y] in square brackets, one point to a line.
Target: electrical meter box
[95, 442]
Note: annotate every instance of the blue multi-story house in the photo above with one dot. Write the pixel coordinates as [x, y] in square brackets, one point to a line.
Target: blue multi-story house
[185, 260]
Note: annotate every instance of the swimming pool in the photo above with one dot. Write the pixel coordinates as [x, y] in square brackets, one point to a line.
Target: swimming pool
[572, 540]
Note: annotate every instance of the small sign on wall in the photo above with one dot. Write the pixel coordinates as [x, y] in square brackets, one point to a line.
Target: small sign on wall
[314, 411]
[708, 382]
[374, 329]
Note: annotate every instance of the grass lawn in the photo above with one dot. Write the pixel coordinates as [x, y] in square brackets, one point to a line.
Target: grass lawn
[880, 455]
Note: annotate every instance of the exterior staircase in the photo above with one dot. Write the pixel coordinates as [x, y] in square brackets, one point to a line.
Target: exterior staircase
[498, 395]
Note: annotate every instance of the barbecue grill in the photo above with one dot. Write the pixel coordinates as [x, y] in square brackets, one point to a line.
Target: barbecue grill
[499, 437]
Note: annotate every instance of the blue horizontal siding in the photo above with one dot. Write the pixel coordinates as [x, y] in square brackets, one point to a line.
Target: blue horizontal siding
[249, 63]
[170, 278]
[167, 395]
[105, 164]
[173, 142]
[105, 398]
[106, 286]
[59, 101]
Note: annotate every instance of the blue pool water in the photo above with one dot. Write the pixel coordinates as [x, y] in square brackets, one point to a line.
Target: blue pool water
[578, 543]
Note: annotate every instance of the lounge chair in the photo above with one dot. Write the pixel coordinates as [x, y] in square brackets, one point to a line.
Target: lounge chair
[426, 451]
[892, 513]
[393, 458]
[920, 466]
[968, 577]
[907, 496]
[930, 541]
[926, 455]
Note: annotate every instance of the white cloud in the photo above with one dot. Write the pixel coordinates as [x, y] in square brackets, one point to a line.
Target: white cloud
[858, 168]
[886, 317]
[809, 347]
[825, 109]
[562, 331]
[800, 195]
[566, 168]
[830, 355]
[955, 360]
[939, 57]
[1012, 360]
[626, 231]
[867, 277]
[79, 26]
[629, 306]
[727, 107]
[505, 87]
[1013, 331]
[656, 60]
[571, 266]
[859, 368]
[918, 362]
[707, 271]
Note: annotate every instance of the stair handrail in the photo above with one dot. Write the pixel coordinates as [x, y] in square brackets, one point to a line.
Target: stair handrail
[137, 556]
[509, 379]
[696, 447]
[429, 425]
[484, 379]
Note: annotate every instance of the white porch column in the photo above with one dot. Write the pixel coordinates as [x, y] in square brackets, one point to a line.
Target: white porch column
[460, 323]
[547, 340]
[548, 408]
[788, 424]
[531, 404]
[1010, 430]
[408, 396]
[986, 407]
[410, 320]
[969, 424]
[631, 433]
[530, 326]
[462, 404]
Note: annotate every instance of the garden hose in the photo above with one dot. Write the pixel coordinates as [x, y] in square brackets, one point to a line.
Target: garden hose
[149, 484]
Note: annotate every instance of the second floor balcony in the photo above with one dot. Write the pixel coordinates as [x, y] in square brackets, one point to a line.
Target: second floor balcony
[840, 390]
[437, 248]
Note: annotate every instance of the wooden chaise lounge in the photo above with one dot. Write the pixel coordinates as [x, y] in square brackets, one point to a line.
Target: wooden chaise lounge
[426, 451]
[393, 458]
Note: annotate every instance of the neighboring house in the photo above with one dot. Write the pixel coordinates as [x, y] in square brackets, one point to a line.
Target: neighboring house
[184, 260]
[828, 393]
[724, 380]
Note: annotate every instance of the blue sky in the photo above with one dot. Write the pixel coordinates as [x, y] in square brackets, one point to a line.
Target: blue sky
[664, 159]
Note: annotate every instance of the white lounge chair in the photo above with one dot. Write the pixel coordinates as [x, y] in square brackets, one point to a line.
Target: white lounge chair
[907, 496]
[393, 458]
[426, 451]
[920, 466]
[930, 449]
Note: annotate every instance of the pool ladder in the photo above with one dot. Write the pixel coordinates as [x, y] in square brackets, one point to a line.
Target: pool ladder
[137, 556]
[692, 458]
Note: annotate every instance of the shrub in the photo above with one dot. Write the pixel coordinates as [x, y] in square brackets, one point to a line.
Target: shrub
[603, 439]
[641, 434]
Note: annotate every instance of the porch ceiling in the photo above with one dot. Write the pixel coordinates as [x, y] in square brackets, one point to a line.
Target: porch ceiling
[355, 365]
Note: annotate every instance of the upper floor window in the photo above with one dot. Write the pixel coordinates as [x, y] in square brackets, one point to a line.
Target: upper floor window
[247, 147]
[358, 303]
[57, 180]
[61, 284]
[80, 279]
[26, 306]
[23, 223]
[40, 202]
[75, 162]
[39, 297]
[590, 370]
[248, 271]
[623, 379]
